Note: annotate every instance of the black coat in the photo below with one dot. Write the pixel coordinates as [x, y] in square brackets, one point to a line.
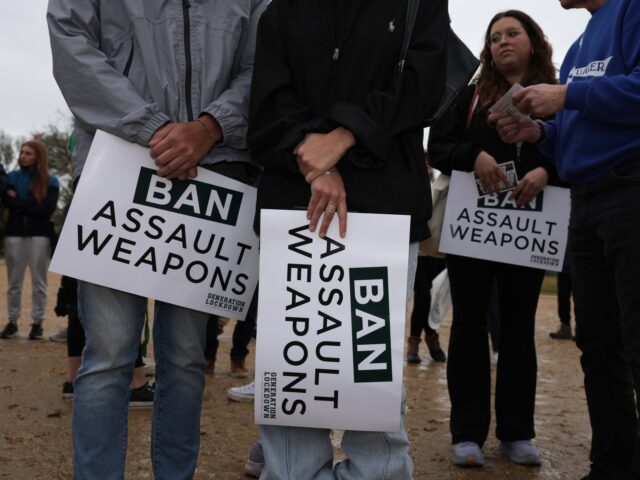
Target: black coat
[298, 87]
[454, 146]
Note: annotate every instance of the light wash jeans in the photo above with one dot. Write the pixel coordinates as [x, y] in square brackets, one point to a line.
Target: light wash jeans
[18, 253]
[113, 321]
[294, 453]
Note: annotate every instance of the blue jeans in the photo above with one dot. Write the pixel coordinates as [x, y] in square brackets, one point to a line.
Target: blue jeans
[294, 453]
[113, 322]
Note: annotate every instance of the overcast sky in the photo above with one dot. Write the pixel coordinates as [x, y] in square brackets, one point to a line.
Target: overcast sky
[30, 99]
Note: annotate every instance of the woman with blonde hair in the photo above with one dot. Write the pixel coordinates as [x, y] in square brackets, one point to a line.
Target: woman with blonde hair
[31, 198]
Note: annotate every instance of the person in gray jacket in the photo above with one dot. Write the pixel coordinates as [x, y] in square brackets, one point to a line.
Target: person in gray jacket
[173, 76]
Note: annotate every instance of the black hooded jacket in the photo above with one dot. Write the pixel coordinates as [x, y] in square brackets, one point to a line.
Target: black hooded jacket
[321, 64]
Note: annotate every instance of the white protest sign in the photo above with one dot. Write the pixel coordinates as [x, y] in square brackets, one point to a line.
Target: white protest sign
[492, 227]
[189, 243]
[331, 322]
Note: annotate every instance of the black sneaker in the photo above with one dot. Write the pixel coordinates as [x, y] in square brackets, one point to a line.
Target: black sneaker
[67, 390]
[36, 332]
[141, 397]
[9, 331]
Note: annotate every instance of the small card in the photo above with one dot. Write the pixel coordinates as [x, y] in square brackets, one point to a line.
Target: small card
[509, 168]
[505, 104]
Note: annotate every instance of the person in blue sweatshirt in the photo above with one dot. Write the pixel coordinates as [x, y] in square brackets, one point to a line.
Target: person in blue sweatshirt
[595, 139]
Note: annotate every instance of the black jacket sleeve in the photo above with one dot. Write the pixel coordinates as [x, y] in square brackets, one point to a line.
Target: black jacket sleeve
[448, 147]
[278, 120]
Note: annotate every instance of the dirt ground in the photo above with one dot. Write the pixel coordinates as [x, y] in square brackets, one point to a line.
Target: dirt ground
[35, 421]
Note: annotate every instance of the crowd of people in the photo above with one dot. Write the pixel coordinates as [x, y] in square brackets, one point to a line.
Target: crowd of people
[304, 100]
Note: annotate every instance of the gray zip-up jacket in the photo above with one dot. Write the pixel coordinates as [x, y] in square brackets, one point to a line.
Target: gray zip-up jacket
[130, 66]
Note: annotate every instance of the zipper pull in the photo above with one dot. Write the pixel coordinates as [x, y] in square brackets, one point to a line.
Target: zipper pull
[336, 53]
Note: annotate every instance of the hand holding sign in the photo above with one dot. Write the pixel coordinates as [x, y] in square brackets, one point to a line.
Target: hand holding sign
[177, 148]
[328, 196]
[492, 178]
[530, 186]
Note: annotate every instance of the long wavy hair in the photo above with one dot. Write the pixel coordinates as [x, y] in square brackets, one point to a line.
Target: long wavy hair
[40, 170]
[491, 84]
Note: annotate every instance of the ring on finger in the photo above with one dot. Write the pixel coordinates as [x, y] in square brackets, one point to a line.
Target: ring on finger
[331, 208]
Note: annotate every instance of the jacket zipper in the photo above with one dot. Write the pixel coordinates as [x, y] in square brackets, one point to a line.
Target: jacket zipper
[336, 34]
[127, 67]
[187, 54]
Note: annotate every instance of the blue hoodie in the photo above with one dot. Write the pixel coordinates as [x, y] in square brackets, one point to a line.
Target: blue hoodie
[599, 128]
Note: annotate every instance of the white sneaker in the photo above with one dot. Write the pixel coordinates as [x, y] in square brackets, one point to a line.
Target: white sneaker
[245, 393]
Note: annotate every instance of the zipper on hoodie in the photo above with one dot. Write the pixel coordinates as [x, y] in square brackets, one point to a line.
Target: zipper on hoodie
[187, 54]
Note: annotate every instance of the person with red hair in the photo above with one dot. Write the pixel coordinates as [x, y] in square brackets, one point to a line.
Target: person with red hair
[31, 198]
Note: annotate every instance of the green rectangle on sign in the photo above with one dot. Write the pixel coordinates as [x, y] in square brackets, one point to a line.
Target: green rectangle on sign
[370, 324]
[188, 197]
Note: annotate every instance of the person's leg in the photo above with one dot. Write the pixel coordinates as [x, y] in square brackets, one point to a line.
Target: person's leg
[564, 307]
[112, 322]
[376, 455]
[433, 266]
[596, 255]
[493, 317]
[519, 290]
[468, 366]
[75, 342]
[39, 257]
[296, 453]
[211, 342]
[564, 297]
[178, 340]
[420, 313]
[380, 455]
[243, 332]
[15, 256]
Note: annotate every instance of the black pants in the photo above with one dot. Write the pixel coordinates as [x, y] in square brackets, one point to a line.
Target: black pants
[242, 334]
[468, 365]
[564, 297]
[427, 269]
[604, 241]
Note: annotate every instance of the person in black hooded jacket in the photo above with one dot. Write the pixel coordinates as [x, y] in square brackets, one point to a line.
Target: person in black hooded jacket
[337, 130]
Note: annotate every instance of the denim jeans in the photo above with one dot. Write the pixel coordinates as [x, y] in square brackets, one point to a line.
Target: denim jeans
[604, 243]
[113, 322]
[294, 453]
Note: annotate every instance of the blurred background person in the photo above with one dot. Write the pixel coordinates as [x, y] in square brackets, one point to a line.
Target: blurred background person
[515, 51]
[31, 199]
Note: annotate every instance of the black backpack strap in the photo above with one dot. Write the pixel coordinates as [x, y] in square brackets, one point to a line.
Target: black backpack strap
[412, 13]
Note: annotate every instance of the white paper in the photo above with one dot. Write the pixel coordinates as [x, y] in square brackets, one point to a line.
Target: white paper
[492, 227]
[341, 372]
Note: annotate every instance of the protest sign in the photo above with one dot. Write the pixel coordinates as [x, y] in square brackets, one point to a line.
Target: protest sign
[493, 227]
[331, 322]
[186, 242]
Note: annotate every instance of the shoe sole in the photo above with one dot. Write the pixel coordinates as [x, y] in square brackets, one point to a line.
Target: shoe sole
[525, 461]
[67, 396]
[470, 461]
[239, 397]
[35, 338]
[140, 405]
[253, 469]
